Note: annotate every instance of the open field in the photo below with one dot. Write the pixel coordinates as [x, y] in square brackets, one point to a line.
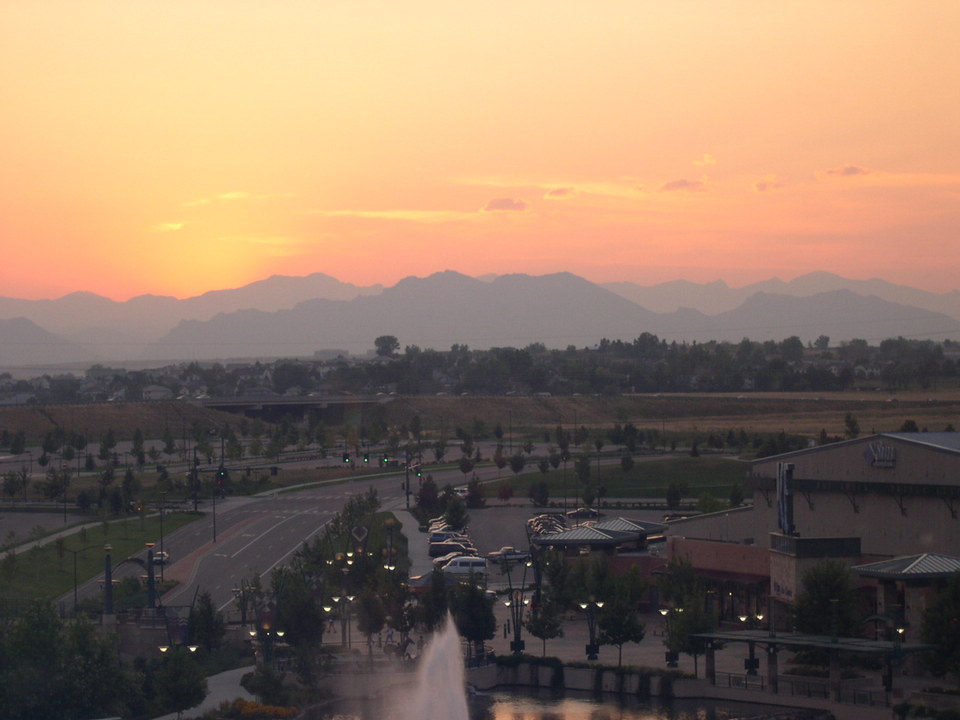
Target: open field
[795, 413]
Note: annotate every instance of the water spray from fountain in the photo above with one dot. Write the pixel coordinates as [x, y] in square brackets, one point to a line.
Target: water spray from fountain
[439, 692]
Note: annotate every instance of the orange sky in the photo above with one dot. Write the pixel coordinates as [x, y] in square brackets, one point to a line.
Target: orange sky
[174, 147]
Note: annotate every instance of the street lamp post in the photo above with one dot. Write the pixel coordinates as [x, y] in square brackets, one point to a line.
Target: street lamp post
[671, 656]
[267, 637]
[752, 663]
[515, 603]
[163, 555]
[590, 607]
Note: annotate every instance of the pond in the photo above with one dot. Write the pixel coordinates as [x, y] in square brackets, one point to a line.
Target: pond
[505, 705]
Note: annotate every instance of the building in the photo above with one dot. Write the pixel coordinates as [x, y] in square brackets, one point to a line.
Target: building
[865, 500]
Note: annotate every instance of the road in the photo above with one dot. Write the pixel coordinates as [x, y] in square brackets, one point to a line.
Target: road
[253, 535]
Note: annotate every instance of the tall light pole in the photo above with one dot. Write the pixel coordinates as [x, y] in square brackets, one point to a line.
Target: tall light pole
[671, 656]
[515, 603]
[590, 607]
[163, 555]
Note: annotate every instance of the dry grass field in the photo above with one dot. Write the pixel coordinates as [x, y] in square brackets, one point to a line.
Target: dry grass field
[794, 413]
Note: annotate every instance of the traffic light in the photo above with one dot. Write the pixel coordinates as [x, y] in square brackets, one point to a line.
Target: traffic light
[366, 457]
[386, 458]
[222, 476]
[346, 457]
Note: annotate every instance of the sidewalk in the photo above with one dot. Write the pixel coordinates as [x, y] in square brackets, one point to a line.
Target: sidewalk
[223, 687]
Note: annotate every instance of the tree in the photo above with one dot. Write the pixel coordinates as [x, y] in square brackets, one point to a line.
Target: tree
[517, 463]
[386, 345]
[371, 616]
[456, 513]
[181, 683]
[540, 493]
[852, 427]
[940, 627]
[428, 497]
[545, 623]
[466, 465]
[582, 468]
[684, 589]
[618, 622]
[828, 602]
[473, 614]
[674, 494]
[206, 626]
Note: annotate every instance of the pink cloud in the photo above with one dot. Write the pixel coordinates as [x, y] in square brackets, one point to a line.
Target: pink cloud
[504, 204]
[848, 170]
[683, 184]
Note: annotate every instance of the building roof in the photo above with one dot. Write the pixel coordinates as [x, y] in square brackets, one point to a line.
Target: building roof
[941, 441]
[613, 531]
[620, 524]
[584, 535]
[925, 566]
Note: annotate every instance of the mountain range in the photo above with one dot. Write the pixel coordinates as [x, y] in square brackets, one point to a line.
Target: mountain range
[286, 316]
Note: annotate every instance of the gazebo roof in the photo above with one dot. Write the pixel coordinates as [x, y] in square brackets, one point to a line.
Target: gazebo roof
[620, 524]
[584, 535]
[925, 566]
[614, 531]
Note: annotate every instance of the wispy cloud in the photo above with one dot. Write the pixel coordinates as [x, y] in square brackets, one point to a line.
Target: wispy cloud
[504, 204]
[849, 171]
[767, 184]
[558, 193]
[422, 216]
[683, 185]
[168, 227]
[235, 195]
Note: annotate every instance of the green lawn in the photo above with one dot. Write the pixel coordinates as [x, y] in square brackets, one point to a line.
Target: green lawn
[46, 572]
[647, 480]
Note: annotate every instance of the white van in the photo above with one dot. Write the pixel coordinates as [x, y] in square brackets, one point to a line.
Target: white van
[465, 565]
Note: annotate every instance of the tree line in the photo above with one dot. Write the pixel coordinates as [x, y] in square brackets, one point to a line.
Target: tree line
[647, 364]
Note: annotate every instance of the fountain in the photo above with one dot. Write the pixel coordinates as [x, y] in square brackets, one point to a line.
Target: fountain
[439, 692]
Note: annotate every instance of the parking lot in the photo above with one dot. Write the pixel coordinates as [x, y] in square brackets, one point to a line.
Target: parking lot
[497, 525]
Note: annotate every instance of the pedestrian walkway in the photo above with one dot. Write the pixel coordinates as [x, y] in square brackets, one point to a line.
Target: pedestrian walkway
[223, 687]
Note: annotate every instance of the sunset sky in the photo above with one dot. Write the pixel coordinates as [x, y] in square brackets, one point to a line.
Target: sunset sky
[180, 146]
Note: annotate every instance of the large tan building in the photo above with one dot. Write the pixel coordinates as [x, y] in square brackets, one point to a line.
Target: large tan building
[864, 500]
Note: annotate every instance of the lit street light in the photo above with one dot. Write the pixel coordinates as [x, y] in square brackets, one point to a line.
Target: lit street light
[515, 603]
[671, 656]
[590, 608]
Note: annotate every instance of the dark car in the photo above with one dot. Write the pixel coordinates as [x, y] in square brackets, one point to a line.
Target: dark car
[442, 548]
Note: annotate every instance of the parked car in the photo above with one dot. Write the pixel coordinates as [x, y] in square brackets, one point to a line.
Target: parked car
[442, 548]
[465, 566]
[448, 535]
[444, 559]
[508, 554]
